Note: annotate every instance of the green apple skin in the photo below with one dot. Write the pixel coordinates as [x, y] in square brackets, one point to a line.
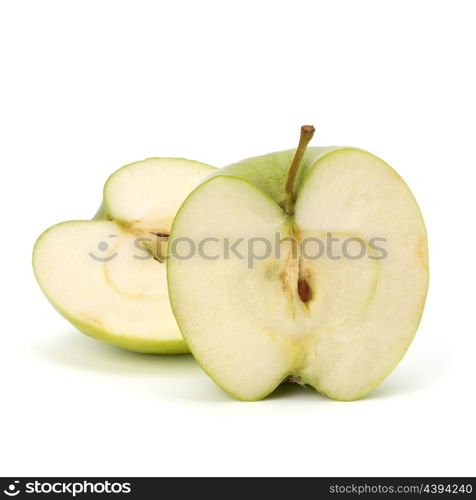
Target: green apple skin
[103, 215]
[268, 174]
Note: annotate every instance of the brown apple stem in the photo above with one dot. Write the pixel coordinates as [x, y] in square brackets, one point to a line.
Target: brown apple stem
[307, 131]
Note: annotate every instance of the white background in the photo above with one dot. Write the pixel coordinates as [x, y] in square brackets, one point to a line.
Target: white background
[89, 86]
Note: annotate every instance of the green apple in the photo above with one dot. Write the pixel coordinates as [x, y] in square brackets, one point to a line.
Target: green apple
[108, 276]
[334, 304]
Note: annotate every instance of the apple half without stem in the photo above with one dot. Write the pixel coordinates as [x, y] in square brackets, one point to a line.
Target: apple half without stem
[337, 315]
[107, 276]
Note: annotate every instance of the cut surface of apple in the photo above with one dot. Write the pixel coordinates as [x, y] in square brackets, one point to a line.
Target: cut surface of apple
[337, 300]
[108, 276]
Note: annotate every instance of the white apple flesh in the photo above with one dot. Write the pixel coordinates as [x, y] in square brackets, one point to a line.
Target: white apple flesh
[338, 324]
[99, 274]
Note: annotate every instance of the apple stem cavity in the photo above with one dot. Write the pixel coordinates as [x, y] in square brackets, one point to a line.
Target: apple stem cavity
[307, 131]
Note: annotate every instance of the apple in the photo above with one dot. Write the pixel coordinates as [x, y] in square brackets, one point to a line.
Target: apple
[306, 265]
[107, 276]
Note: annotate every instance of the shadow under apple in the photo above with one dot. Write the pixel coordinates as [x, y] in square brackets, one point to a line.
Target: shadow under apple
[74, 350]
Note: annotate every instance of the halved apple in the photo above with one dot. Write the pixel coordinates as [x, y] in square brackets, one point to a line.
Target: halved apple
[336, 301]
[107, 276]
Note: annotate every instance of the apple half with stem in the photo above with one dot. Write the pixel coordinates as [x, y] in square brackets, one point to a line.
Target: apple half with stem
[107, 276]
[308, 265]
